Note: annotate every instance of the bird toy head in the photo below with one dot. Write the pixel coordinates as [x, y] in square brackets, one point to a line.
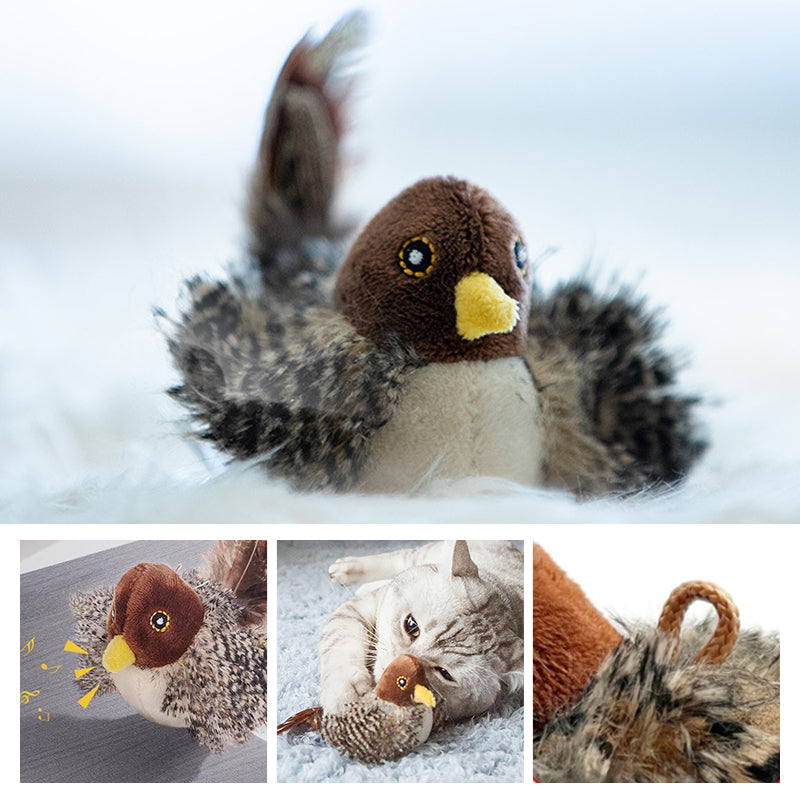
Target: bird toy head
[153, 619]
[404, 683]
[444, 267]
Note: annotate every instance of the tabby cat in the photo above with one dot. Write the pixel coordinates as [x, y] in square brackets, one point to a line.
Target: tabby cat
[457, 607]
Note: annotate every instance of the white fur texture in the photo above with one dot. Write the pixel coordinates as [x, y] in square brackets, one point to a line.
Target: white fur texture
[144, 690]
[457, 420]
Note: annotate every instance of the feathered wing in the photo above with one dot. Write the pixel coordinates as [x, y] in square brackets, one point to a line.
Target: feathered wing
[613, 418]
[652, 715]
[90, 610]
[295, 388]
[374, 731]
[220, 684]
[295, 242]
[241, 567]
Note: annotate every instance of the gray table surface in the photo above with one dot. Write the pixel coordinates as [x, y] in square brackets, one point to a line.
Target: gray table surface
[106, 742]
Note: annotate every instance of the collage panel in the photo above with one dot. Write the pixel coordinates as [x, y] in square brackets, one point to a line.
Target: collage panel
[655, 662]
[143, 661]
[362, 623]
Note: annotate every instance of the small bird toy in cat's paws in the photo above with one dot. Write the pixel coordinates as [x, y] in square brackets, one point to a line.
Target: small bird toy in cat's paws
[185, 652]
[425, 351]
[383, 726]
[651, 704]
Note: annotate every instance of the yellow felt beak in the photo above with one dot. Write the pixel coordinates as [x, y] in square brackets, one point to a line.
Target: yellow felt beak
[423, 695]
[118, 655]
[482, 307]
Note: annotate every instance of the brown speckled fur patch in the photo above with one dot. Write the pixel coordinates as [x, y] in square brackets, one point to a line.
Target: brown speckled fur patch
[653, 716]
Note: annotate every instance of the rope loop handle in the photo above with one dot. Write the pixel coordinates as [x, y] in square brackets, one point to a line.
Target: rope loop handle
[722, 641]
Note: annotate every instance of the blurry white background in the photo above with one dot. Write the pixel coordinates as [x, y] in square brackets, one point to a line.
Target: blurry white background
[661, 141]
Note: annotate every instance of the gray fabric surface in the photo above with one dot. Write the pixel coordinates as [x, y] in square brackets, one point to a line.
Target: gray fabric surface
[488, 748]
[107, 741]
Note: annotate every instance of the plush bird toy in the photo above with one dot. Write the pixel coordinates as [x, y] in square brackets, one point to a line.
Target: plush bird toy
[423, 350]
[384, 726]
[650, 705]
[184, 651]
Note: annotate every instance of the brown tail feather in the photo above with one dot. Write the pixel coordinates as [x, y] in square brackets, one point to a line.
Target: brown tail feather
[297, 167]
[310, 716]
[241, 566]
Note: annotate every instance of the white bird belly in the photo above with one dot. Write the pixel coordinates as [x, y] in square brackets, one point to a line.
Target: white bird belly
[143, 690]
[459, 420]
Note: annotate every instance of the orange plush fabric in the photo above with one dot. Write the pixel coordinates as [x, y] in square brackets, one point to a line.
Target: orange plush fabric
[570, 638]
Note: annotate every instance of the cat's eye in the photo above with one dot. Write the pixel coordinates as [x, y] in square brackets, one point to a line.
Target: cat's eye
[445, 674]
[410, 626]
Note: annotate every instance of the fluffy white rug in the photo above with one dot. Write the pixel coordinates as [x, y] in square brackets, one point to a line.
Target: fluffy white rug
[489, 748]
[676, 178]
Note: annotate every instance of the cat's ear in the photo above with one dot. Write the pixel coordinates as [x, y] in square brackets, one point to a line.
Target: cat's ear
[463, 565]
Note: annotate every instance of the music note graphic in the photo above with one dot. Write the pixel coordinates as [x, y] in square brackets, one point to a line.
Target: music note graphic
[71, 647]
[25, 697]
[42, 718]
[51, 669]
[26, 649]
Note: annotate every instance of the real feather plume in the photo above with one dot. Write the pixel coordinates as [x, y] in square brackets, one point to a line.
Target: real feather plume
[241, 567]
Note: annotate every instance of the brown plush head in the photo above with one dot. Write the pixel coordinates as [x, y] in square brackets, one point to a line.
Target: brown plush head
[404, 682]
[153, 619]
[570, 638]
[443, 266]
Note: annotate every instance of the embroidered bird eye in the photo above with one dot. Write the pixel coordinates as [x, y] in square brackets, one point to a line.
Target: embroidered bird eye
[402, 681]
[410, 626]
[159, 621]
[520, 255]
[445, 674]
[417, 257]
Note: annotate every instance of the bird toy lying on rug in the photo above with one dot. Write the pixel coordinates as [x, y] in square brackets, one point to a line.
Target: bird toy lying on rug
[184, 651]
[422, 352]
[650, 706]
[383, 727]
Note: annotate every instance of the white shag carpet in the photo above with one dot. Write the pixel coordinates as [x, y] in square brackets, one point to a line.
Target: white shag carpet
[670, 162]
[488, 748]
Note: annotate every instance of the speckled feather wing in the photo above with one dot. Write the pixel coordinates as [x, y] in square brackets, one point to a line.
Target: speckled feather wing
[296, 388]
[613, 418]
[374, 731]
[220, 685]
[90, 610]
[651, 715]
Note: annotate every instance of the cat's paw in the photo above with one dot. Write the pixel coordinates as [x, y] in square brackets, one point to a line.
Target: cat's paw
[347, 571]
[334, 696]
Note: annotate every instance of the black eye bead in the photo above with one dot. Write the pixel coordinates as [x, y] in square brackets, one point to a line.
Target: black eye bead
[159, 621]
[417, 257]
[445, 674]
[410, 626]
[402, 681]
[520, 255]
